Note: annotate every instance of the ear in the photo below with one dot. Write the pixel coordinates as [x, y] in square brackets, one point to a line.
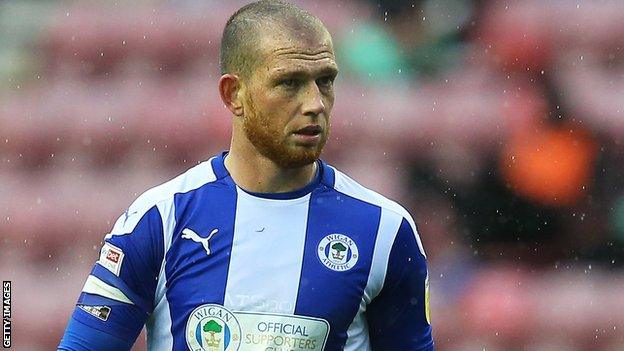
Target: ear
[230, 90]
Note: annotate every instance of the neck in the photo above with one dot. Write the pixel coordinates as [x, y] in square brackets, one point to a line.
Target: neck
[256, 173]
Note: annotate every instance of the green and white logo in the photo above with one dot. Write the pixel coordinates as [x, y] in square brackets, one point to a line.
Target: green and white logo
[338, 252]
[212, 328]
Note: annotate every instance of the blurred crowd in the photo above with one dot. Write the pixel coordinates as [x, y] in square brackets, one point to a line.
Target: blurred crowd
[499, 124]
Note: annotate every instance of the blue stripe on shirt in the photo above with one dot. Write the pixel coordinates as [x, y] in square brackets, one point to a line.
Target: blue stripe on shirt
[323, 292]
[396, 317]
[193, 277]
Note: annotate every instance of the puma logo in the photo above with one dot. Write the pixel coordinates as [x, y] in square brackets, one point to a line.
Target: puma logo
[191, 235]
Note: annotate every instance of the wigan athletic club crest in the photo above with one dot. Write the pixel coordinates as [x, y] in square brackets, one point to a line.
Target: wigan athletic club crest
[212, 328]
[338, 252]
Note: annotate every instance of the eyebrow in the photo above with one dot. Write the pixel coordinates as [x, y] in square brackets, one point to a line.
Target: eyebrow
[286, 72]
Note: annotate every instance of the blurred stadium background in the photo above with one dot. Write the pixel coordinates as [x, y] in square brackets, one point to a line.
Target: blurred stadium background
[499, 124]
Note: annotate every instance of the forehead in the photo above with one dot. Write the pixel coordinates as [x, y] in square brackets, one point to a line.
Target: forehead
[305, 52]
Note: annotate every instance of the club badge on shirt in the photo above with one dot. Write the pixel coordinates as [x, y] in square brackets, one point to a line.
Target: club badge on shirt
[338, 252]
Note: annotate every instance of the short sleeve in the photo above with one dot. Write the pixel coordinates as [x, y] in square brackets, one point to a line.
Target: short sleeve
[119, 293]
[398, 316]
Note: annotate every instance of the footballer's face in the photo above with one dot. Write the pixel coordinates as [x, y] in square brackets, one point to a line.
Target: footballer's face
[289, 97]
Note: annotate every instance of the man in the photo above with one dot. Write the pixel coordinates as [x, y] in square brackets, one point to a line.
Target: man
[264, 247]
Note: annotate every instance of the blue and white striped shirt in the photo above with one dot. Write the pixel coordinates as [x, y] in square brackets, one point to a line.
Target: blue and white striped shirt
[206, 265]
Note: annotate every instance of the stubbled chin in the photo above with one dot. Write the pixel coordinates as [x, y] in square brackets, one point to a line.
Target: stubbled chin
[286, 154]
[283, 151]
[298, 156]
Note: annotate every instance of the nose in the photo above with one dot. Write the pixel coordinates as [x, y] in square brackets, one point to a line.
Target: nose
[313, 104]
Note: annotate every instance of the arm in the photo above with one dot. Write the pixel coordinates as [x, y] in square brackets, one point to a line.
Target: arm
[118, 295]
[82, 337]
[398, 316]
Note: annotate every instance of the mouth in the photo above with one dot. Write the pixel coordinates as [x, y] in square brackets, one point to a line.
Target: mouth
[311, 130]
[309, 135]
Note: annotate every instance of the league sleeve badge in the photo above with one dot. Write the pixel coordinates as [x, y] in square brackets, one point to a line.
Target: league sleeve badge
[111, 258]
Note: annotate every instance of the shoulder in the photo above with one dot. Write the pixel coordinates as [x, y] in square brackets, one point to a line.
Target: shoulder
[346, 185]
[192, 179]
[162, 196]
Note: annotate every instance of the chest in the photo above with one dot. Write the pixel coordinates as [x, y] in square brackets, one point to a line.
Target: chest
[269, 259]
[300, 266]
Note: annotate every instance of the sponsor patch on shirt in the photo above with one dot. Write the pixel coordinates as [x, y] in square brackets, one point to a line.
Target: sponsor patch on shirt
[111, 258]
[100, 312]
[265, 331]
[213, 327]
